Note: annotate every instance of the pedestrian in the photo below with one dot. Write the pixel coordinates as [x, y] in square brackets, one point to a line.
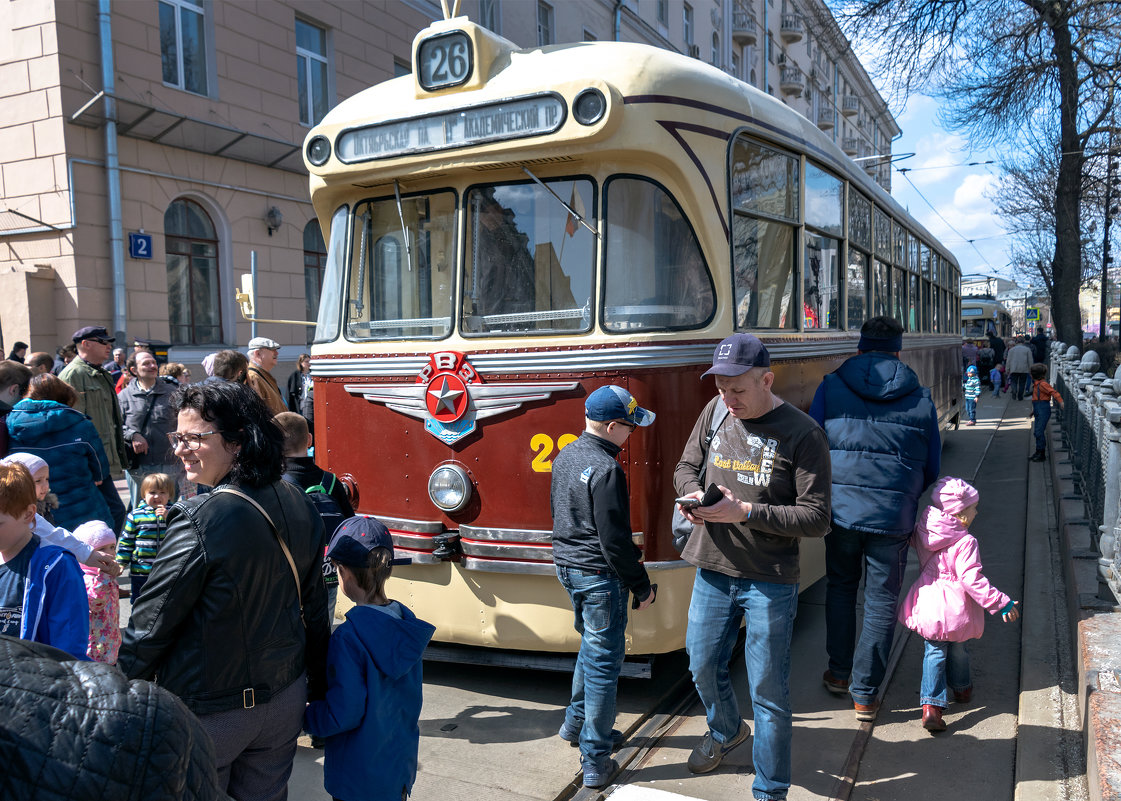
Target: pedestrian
[42, 596]
[996, 378]
[998, 346]
[97, 399]
[102, 594]
[40, 362]
[374, 685]
[64, 354]
[1041, 347]
[46, 530]
[233, 617]
[148, 418]
[145, 530]
[229, 365]
[296, 381]
[771, 463]
[968, 353]
[18, 352]
[972, 393]
[14, 380]
[208, 363]
[175, 373]
[944, 606]
[599, 567]
[1018, 363]
[1042, 394]
[115, 366]
[885, 449]
[263, 353]
[46, 424]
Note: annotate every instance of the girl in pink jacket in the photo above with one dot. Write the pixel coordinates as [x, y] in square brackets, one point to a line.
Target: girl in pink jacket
[945, 605]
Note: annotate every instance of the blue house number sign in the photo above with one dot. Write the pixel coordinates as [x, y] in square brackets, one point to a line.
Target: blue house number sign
[140, 246]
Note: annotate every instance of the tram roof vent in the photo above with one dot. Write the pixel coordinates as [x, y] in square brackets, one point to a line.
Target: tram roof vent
[505, 165]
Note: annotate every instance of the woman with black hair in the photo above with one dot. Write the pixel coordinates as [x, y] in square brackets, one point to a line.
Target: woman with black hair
[233, 617]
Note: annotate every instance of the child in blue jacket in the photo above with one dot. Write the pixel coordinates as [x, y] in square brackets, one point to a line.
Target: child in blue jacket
[373, 675]
[42, 594]
[972, 393]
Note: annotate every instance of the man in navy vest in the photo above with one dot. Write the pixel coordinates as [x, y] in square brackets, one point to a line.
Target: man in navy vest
[885, 449]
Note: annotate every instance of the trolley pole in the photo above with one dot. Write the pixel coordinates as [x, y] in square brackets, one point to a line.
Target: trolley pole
[1111, 167]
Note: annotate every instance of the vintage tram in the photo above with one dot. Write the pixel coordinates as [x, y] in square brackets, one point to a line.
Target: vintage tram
[511, 229]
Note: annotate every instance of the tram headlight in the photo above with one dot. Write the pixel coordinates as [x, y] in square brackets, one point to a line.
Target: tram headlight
[589, 107]
[449, 487]
[319, 150]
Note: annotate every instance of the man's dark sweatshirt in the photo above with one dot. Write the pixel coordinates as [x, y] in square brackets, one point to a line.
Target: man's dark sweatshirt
[303, 472]
[592, 513]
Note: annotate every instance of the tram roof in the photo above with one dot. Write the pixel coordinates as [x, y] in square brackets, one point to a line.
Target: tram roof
[633, 70]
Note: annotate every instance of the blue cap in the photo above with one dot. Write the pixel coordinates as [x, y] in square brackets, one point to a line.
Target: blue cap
[737, 354]
[970, 369]
[356, 537]
[615, 403]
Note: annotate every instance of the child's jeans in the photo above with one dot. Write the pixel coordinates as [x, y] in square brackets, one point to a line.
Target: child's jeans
[971, 409]
[1042, 411]
[944, 665]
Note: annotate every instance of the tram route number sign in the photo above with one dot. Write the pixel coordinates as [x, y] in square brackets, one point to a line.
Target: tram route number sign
[1031, 313]
[140, 246]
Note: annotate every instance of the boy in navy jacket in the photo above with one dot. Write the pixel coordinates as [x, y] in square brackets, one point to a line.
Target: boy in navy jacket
[42, 594]
[373, 675]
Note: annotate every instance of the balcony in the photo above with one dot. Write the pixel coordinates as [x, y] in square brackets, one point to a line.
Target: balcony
[745, 31]
[850, 105]
[793, 81]
[792, 29]
[851, 145]
[825, 119]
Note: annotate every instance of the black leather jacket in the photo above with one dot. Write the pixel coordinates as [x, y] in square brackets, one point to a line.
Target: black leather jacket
[218, 621]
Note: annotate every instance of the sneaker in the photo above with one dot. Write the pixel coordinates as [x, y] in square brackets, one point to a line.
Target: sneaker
[708, 754]
[596, 776]
[932, 718]
[866, 711]
[572, 737]
[971, 422]
[1038, 456]
[964, 696]
[318, 742]
[835, 685]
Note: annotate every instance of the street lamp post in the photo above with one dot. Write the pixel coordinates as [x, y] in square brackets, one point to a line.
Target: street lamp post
[1110, 210]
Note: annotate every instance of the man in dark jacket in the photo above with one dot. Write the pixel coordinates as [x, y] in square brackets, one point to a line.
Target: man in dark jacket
[598, 564]
[997, 344]
[885, 449]
[1041, 346]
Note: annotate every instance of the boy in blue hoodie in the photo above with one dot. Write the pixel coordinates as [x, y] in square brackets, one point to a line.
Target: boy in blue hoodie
[373, 675]
[42, 594]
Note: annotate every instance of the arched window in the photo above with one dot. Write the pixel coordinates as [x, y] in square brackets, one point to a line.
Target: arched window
[315, 262]
[193, 291]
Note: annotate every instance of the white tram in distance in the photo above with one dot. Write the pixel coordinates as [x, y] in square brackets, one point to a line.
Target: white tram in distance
[511, 229]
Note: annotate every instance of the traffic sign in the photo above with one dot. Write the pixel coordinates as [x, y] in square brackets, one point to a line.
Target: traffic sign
[1031, 313]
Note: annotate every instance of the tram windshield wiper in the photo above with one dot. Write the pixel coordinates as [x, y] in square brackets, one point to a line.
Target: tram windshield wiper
[575, 214]
[404, 228]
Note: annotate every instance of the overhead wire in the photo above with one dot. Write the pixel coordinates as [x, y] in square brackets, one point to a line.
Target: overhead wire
[949, 225]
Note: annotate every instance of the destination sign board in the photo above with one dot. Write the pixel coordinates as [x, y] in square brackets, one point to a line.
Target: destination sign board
[511, 119]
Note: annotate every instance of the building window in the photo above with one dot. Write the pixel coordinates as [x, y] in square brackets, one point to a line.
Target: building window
[401, 68]
[736, 66]
[589, 36]
[770, 48]
[687, 23]
[489, 15]
[544, 24]
[315, 263]
[663, 12]
[193, 291]
[715, 50]
[311, 69]
[183, 44]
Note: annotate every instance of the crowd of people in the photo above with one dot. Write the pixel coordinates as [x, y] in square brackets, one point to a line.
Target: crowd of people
[239, 628]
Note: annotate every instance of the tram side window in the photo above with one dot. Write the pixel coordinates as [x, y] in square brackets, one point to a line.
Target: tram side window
[914, 317]
[656, 276]
[765, 184]
[821, 297]
[327, 323]
[529, 262]
[899, 296]
[401, 278]
[881, 288]
[856, 288]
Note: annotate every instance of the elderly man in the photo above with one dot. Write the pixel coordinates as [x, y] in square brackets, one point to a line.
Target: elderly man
[885, 447]
[97, 399]
[116, 365]
[1018, 362]
[263, 355]
[770, 462]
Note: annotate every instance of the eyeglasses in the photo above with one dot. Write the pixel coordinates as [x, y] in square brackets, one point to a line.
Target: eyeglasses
[100, 341]
[189, 441]
[631, 426]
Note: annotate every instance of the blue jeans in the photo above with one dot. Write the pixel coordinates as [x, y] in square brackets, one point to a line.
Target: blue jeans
[1019, 385]
[882, 560]
[718, 605]
[944, 664]
[600, 603]
[971, 409]
[1042, 410]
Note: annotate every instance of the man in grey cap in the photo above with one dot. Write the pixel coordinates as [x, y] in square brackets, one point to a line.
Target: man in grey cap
[97, 399]
[770, 462]
[263, 355]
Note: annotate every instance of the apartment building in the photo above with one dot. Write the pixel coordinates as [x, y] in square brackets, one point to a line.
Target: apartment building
[150, 150]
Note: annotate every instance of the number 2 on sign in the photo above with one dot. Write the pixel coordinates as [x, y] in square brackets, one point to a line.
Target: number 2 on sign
[542, 446]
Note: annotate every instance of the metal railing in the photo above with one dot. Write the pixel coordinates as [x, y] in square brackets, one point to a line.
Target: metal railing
[1091, 429]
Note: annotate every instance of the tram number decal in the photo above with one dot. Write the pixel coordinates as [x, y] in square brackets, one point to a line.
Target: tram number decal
[542, 445]
[445, 60]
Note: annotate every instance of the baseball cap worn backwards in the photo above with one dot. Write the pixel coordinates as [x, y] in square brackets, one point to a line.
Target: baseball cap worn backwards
[615, 403]
[737, 354]
[92, 332]
[356, 537]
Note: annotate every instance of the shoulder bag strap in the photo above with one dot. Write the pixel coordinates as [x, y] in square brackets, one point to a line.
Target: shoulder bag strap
[279, 539]
[718, 416]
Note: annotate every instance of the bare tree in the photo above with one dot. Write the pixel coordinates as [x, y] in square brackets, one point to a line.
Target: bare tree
[1004, 68]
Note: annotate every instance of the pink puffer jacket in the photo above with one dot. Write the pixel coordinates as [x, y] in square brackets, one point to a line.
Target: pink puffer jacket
[945, 602]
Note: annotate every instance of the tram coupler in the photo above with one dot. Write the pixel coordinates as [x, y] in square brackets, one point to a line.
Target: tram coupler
[448, 547]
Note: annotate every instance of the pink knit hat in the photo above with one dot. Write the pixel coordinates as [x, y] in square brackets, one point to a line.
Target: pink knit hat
[95, 534]
[953, 495]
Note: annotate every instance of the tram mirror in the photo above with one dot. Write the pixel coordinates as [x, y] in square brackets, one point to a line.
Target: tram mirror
[244, 296]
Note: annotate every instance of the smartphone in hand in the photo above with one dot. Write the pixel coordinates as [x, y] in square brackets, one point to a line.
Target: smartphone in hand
[712, 495]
